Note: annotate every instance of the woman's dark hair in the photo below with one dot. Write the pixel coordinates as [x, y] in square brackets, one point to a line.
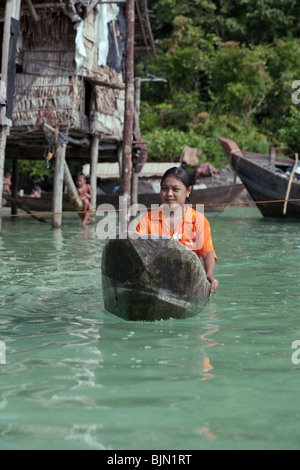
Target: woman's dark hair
[180, 174]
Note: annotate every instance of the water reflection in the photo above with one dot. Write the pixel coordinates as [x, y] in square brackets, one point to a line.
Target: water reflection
[58, 240]
[161, 349]
[78, 377]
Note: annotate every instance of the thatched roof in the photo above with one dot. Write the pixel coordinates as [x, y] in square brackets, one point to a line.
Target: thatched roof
[78, 9]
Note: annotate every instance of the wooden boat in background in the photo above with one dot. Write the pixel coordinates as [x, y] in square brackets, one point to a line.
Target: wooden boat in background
[215, 199]
[276, 193]
[146, 279]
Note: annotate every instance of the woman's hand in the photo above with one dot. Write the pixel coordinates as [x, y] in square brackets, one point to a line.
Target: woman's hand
[209, 265]
[213, 284]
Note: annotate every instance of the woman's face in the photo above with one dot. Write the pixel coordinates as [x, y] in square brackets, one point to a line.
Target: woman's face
[173, 192]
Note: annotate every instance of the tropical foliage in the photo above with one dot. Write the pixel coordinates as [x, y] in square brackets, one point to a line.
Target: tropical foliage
[229, 66]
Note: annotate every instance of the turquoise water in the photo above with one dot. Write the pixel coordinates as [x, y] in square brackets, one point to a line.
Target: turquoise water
[76, 377]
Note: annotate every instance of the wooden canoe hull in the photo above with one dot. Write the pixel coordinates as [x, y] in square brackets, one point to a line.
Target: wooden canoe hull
[148, 280]
[214, 199]
[267, 185]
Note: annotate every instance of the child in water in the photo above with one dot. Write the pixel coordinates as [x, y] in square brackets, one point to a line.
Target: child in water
[7, 183]
[85, 194]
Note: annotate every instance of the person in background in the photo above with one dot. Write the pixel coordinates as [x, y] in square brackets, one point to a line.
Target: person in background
[7, 183]
[176, 219]
[36, 191]
[85, 194]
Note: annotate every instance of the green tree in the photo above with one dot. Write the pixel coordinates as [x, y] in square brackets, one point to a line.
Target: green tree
[240, 80]
[245, 21]
[229, 67]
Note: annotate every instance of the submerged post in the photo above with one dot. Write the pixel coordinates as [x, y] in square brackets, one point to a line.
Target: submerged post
[128, 115]
[14, 186]
[60, 157]
[93, 172]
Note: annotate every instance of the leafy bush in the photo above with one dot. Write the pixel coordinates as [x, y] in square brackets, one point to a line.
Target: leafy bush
[167, 144]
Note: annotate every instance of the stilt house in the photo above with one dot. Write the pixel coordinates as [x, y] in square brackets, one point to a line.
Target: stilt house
[63, 76]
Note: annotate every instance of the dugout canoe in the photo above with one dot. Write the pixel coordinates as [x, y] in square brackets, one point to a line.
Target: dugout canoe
[148, 280]
[269, 179]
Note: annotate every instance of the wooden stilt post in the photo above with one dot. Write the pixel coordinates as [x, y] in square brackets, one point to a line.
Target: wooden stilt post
[3, 134]
[136, 129]
[60, 156]
[12, 10]
[134, 187]
[72, 191]
[128, 117]
[137, 104]
[119, 153]
[14, 186]
[93, 172]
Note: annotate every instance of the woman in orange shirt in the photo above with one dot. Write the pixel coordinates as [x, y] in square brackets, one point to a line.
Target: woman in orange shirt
[176, 219]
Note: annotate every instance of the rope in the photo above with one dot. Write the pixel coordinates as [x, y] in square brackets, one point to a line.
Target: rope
[121, 210]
